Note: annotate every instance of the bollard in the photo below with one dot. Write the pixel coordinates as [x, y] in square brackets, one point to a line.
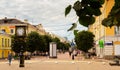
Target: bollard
[72, 57]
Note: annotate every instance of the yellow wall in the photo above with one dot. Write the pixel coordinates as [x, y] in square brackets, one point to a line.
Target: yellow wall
[109, 31]
[33, 28]
[97, 28]
[5, 45]
[8, 29]
[117, 42]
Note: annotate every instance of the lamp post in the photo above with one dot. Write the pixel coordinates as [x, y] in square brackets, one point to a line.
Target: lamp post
[20, 32]
[21, 57]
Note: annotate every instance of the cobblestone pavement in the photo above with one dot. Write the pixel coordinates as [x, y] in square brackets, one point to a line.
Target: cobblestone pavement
[63, 62]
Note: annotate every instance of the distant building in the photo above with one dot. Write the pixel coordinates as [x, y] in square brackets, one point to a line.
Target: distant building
[62, 39]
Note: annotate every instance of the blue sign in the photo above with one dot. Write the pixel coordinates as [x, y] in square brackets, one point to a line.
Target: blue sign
[109, 43]
[72, 44]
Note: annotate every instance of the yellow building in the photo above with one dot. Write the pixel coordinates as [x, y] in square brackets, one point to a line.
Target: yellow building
[8, 26]
[37, 28]
[5, 45]
[109, 35]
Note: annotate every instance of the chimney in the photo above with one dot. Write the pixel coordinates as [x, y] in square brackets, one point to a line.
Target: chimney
[25, 20]
[5, 20]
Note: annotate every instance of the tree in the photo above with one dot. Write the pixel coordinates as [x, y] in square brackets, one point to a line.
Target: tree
[66, 46]
[43, 44]
[60, 46]
[84, 40]
[16, 44]
[47, 39]
[34, 41]
[57, 40]
[86, 10]
[113, 18]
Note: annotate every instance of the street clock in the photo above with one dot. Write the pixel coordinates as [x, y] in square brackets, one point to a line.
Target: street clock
[21, 31]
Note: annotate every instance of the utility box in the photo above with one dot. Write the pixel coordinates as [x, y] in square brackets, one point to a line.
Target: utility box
[53, 50]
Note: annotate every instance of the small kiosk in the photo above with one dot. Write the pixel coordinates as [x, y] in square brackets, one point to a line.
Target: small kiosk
[53, 50]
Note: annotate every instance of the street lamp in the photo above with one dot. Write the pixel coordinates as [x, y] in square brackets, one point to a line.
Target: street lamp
[20, 33]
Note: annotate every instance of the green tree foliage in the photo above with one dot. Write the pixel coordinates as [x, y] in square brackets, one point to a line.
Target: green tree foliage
[67, 45]
[42, 44]
[63, 46]
[47, 39]
[86, 10]
[60, 45]
[57, 40]
[34, 42]
[16, 44]
[84, 40]
[113, 18]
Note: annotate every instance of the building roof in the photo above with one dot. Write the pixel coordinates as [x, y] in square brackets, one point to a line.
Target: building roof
[10, 21]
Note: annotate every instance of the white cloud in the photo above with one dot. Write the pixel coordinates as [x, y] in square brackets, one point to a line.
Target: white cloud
[47, 12]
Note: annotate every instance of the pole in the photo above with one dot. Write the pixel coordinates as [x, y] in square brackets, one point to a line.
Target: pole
[21, 57]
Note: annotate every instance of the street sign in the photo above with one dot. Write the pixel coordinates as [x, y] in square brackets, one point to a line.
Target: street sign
[72, 44]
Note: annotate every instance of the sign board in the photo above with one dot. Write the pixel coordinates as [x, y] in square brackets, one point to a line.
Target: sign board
[109, 43]
[101, 43]
[117, 49]
[108, 50]
[53, 50]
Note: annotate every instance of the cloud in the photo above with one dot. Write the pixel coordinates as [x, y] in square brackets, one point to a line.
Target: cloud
[47, 12]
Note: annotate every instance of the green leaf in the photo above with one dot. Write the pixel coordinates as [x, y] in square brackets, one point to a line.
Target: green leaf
[108, 22]
[77, 6]
[67, 10]
[97, 12]
[102, 1]
[115, 12]
[117, 1]
[95, 4]
[74, 25]
[86, 20]
[75, 32]
[89, 10]
[85, 1]
[81, 12]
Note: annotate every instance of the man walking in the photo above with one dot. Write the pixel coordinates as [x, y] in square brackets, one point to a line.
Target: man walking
[9, 58]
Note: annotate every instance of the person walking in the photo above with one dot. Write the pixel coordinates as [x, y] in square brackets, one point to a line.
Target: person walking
[70, 51]
[9, 58]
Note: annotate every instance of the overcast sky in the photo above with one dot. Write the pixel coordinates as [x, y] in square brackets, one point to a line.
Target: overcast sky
[49, 13]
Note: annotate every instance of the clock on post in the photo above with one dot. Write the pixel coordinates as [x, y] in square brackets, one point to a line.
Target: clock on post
[20, 31]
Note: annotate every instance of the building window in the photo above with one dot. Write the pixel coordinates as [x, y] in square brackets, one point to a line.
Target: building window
[117, 30]
[5, 42]
[3, 31]
[8, 43]
[2, 42]
[12, 31]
